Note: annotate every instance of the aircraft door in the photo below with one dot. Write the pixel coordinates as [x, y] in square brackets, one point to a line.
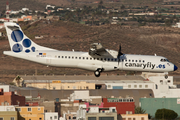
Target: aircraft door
[48, 59]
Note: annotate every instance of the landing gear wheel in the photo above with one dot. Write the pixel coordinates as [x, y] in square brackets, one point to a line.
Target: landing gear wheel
[166, 76]
[97, 73]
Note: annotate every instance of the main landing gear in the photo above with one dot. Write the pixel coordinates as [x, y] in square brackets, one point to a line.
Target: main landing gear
[97, 73]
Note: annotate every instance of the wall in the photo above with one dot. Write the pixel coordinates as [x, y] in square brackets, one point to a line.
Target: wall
[65, 86]
[135, 116]
[35, 114]
[152, 104]
[8, 114]
[121, 107]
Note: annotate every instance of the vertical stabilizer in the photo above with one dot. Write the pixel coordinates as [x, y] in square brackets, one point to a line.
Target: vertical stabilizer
[19, 42]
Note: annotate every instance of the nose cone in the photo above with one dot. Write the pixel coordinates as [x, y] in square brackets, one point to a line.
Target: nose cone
[175, 68]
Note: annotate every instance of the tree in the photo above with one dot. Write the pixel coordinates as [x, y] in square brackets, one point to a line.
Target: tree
[122, 7]
[139, 110]
[165, 114]
[18, 78]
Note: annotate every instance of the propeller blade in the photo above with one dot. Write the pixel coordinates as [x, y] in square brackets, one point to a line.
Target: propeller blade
[119, 54]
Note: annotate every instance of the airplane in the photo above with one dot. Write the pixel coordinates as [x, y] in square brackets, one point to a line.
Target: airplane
[98, 59]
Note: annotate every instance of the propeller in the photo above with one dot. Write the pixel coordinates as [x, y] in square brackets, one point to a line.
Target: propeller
[119, 54]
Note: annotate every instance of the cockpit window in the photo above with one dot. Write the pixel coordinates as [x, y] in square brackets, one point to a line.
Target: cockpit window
[164, 60]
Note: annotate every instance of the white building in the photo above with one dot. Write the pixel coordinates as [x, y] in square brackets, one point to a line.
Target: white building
[130, 84]
[50, 116]
[84, 95]
[7, 108]
[161, 86]
[5, 88]
[176, 25]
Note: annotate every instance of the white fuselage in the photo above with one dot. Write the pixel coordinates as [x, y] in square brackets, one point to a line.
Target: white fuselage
[83, 60]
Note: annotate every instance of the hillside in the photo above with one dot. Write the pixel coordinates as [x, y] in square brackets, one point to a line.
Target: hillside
[67, 36]
[41, 4]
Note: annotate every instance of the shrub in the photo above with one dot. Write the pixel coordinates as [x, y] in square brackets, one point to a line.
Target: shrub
[165, 114]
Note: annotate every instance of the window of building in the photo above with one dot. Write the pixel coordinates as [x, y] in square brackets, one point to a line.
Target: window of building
[72, 57]
[97, 58]
[94, 58]
[51, 118]
[1, 118]
[101, 58]
[104, 59]
[87, 87]
[129, 118]
[40, 118]
[129, 86]
[76, 57]
[90, 58]
[65, 56]
[129, 60]
[79, 57]
[161, 81]
[140, 86]
[29, 109]
[68, 87]
[124, 119]
[55, 117]
[39, 108]
[54, 88]
[12, 118]
[58, 56]
[143, 61]
[87, 58]
[136, 60]
[19, 109]
[116, 60]
[112, 59]
[142, 118]
[135, 86]
[132, 60]
[108, 59]
[91, 118]
[146, 86]
[83, 58]
[139, 60]
[134, 118]
[169, 81]
[62, 56]
[106, 118]
[69, 57]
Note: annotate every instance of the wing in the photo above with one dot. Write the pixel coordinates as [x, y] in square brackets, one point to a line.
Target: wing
[96, 49]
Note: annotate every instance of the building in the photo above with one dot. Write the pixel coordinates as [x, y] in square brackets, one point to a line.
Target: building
[96, 113]
[5, 88]
[25, 18]
[134, 117]
[123, 105]
[58, 85]
[8, 113]
[30, 112]
[162, 87]
[152, 104]
[50, 116]
[9, 98]
[130, 84]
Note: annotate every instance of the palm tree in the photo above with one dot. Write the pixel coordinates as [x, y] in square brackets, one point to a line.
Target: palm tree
[18, 78]
[139, 110]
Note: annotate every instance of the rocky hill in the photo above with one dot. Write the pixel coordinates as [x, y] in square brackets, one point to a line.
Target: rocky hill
[60, 35]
